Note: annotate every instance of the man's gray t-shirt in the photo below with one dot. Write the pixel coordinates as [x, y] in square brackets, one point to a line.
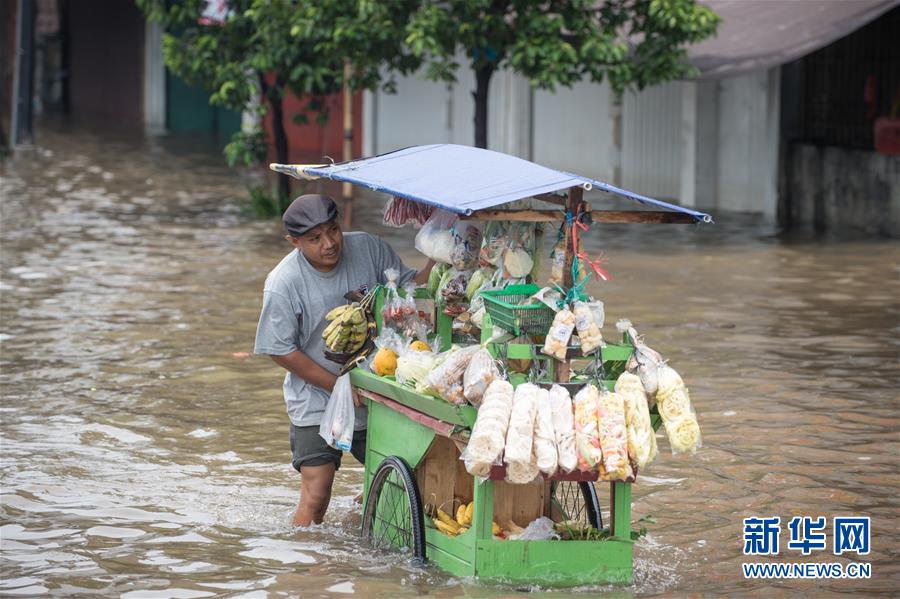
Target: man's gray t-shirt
[296, 299]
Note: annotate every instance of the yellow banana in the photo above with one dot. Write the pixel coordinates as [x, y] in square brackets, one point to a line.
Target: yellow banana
[461, 514]
[495, 528]
[470, 512]
[332, 326]
[446, 519]
[337, 312]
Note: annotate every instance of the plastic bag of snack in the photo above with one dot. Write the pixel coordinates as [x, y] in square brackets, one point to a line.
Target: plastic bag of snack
[414, 366]
[589, 318]
[544, 449]
[489, 432]
[613, 435]
[493, 244]
[521, 473]
[466, 244]
[481, 372]
[563, 427]
[446, 380]
[641, 437]
[558, 260]
[557, 341]
[520, 436]
[452, 288]
[679, 419]
[400, 211]
[435, 238]
[587, 437]
[518, 260]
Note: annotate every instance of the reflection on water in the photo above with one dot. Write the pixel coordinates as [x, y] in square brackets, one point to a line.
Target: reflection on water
[143, 455]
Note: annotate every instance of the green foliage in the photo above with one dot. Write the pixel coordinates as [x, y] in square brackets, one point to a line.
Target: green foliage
[246, 148]
[630, 43]
[265, 203]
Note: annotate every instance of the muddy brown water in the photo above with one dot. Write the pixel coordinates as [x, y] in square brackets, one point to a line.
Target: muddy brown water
[142, 456]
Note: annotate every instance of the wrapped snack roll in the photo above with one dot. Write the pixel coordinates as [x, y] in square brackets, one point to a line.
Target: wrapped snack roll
[563, 427]
[544, 449]
[674, 405]
[489, 433]
[587, 439]
[481, 372]
[520, 435]
[613, 435]
[557, 340]
[588, 322]
[521, 473]
[641, 437]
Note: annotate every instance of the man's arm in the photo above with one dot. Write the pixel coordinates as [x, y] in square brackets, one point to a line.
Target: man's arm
[302, 366]
[422, 276]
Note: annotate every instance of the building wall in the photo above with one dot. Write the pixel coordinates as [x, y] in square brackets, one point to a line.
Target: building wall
[844, 190]
[713, 145]
[106, 61]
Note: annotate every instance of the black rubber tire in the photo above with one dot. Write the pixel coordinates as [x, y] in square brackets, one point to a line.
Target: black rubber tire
[395, 477]
[587, 509]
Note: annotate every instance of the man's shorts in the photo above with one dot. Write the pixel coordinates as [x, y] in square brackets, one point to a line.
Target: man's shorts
[310, 449]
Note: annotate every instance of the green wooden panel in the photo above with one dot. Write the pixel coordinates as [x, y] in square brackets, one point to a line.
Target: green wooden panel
[188, 111]
[463, 416]
[450, 554]
[392, 434]
[621, 497]
[554, 563]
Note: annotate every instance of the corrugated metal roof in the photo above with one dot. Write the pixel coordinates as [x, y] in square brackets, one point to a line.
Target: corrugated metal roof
[461, 178]
[757, 34]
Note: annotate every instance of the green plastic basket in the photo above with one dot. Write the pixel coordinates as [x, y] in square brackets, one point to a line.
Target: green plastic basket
[506, 313]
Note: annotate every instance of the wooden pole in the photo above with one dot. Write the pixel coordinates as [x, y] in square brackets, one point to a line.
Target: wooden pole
[347, 188]
[573, 201]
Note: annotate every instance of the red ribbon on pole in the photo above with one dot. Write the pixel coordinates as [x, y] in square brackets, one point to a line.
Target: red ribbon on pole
[577, 223]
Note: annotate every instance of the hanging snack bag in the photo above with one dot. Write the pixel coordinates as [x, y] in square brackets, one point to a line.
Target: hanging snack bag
[520, 246]
[558, 261]
[641, 437]
[557, 341]
[466, 244]
[435, 239]
[674, 405]
[545, 454]
[445, 381]
[521, 473]
[587, 439]
[481, 372]
[563, 427]
[493, 244]
[589, 318]
[520, 436]
[491, 425]
[613, 435]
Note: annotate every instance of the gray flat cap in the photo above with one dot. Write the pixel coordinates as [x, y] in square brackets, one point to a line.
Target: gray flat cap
[307, 212]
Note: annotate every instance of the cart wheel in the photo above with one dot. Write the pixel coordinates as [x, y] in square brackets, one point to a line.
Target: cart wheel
[392, 518]
[578, 501]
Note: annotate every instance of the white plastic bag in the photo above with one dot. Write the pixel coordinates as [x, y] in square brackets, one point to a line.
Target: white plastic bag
[339, 419]
[489, 433]
[520, 436]
[540, 529]
[446, 380]
[589, 318]
[435, 239]
[557, 341]
[674, 404]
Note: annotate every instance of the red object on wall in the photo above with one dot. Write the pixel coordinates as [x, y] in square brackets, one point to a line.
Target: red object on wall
[887, 136]
[310, 143]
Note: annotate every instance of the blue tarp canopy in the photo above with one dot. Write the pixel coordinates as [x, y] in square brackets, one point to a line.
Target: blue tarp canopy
[461, 179]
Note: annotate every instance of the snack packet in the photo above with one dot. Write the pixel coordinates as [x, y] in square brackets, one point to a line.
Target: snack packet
[481, 372]
[613, 435]
[544, 449]
[446, 380]
[557, 341]
[588, 321]
[587, 439]
[679, 419]
[563, 427]
[520, 435]
[489, 432]
[641, 437]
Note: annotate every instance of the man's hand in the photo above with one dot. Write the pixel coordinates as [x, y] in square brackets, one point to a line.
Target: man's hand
[422, 276]
[358, 401]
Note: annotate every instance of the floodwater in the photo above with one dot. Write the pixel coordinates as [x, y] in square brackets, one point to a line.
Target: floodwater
[143, 455]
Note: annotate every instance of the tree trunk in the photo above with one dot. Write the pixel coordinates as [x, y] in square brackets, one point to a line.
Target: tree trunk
[274, 95]
[482, 82]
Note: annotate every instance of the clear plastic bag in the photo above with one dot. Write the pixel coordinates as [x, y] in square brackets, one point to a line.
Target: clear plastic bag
[587, 437]
[445, 381]
[520, 436]
[540, 529]
[518, 260]
[557, 341]
[563, 427]
[413, 367]
[544, 448]
[339, 417]
[489, 432]
[641, 437]
[466, 236]
[398, 212]
[481, 372]
[558, 260]
[589, 318]
[674, 405]
[493, 244]
[435, 239]
[613, 436]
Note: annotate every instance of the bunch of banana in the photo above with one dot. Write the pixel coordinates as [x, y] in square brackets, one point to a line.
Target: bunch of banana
[456, 526]
[347, 330]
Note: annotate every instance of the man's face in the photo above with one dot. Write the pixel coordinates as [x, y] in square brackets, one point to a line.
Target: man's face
[321, 246]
